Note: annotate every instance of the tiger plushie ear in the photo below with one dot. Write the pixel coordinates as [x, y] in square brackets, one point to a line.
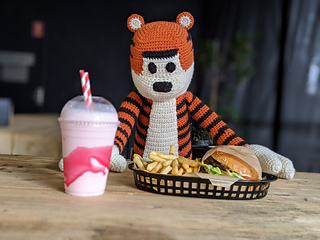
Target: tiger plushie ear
[135, 22]
[185, 20]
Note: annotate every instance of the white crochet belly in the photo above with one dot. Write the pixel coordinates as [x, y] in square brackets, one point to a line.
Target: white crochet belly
[162, 130]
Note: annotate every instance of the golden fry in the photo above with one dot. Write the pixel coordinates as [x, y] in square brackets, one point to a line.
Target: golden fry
[157, 167]
[155, 157]
[141, 159]
[138, 162]
[174, 170]
[151, 166]
[167, 163]
[185, 165]
[192, 163]
[167, 156]
[172, 149]
[166, 170]
[175, 166]
[175, 163]
[180, 171]
[145, 164]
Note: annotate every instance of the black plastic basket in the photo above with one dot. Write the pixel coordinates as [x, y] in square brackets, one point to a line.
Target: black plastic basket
[198, 187]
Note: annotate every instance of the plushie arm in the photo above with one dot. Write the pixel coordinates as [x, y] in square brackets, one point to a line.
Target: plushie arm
[128, 113]
[210, 121]
[272, 162]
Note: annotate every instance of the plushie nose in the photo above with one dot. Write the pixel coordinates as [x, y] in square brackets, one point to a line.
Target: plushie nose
[162, 86]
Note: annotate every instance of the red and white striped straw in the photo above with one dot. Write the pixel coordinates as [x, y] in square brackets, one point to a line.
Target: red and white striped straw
[86, 89]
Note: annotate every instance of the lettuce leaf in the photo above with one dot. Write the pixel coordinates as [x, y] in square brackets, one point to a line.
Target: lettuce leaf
[232, 174]
[211, 169]
[217, 171]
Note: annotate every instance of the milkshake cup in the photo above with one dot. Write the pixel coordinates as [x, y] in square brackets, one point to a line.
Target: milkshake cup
[88, 133]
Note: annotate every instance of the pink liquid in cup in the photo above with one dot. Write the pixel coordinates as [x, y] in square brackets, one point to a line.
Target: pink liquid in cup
[88, 133]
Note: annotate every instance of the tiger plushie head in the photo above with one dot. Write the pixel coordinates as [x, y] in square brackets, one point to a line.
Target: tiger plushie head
[162, 58]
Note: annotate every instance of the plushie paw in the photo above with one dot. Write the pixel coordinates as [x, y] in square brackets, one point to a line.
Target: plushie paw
[272, 162]
[117, 163]
[287, 171]
[61, 164]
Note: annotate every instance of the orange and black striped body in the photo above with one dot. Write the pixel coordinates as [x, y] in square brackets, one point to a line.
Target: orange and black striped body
[136, 109]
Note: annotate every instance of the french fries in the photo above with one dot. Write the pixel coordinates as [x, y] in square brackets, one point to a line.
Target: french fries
[172, 149]
[167, 163]
[159, 157]
[138, 160]
[151, 166]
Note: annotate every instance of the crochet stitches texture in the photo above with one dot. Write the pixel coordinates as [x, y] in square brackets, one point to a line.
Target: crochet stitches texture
[137, 108]
[162, 63]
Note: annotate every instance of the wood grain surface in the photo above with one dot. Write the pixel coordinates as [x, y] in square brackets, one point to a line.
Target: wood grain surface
[33, 205]
[32, 134]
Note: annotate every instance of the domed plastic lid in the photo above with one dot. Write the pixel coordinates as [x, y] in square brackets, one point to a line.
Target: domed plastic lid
[100, 110]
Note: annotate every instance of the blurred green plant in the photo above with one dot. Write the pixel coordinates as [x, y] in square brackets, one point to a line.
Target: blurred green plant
[226, 64]
[200, 136]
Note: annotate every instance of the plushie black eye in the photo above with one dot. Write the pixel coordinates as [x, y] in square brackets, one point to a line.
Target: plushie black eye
[170, 67]
[152, 68]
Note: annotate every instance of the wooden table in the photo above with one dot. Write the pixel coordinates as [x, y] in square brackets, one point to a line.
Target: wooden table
[32, 134]
[33, 205]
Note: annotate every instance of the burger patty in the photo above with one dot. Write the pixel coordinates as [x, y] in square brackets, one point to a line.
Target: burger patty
[210, 160]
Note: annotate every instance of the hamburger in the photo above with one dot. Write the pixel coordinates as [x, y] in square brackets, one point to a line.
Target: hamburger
[234, 161]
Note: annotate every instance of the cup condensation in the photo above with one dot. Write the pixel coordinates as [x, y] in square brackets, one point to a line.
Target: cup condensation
[88, 133]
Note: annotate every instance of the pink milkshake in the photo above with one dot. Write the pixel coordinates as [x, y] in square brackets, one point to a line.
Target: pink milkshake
[88, 133]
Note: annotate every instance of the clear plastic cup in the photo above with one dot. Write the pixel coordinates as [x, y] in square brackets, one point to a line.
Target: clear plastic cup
[88, 133]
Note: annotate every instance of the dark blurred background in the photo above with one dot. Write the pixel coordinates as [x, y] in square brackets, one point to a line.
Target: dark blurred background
[257, 62]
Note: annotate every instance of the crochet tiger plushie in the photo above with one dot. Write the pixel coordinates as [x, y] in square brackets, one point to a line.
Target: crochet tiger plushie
[162, 65]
